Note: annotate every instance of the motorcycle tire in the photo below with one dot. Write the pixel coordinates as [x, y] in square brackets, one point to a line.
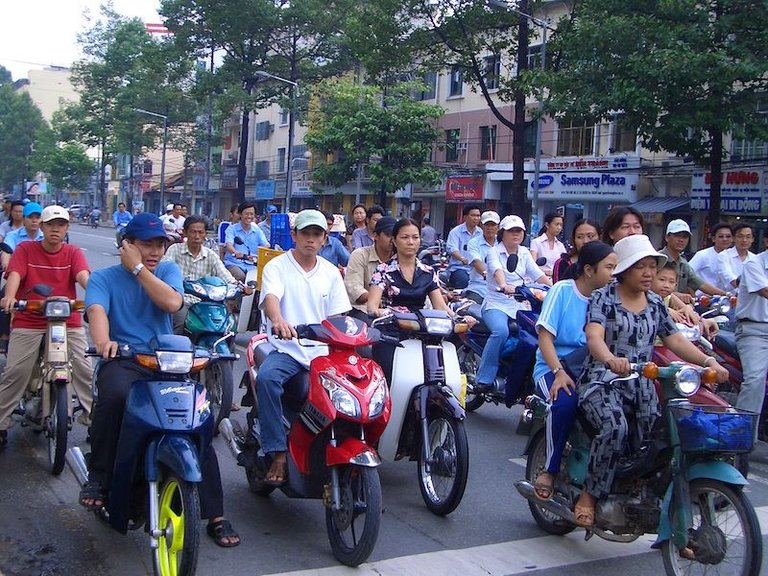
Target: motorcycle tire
[442, 486]
[57, 428]
[469, 362]
[179, 521]
[735, 528]
[256, 473]
[352, 538]
[219, 387]
[537, 457]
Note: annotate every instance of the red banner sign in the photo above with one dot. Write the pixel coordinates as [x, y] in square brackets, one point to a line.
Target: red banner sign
[464, 188]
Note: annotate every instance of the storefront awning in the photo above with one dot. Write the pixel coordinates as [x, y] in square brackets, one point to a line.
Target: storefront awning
[652, 205]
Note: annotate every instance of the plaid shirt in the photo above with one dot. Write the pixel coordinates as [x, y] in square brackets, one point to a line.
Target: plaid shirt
[206, 263]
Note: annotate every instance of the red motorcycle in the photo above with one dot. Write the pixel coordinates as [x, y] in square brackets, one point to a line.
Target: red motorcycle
[335, 414]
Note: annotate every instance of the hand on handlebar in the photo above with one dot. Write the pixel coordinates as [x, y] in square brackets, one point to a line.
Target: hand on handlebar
[283, 330]
[107, 350]
[618, 366]
[722, 373]
[7, 303]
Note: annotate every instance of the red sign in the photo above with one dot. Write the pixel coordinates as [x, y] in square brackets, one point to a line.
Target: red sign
[464, 188]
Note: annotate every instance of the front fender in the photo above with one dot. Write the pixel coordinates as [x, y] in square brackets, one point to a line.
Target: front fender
[176, 452]
[442, 398]
[716, 470]
[351, 451]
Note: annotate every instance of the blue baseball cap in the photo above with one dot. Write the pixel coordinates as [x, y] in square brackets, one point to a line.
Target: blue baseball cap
[32, 208]
[144, 226]
[270, 209]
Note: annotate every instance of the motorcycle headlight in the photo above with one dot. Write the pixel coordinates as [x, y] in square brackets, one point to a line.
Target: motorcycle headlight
[439, 326]
[687, 381]
[57, 309]
[174, 362]
[217, 293]
[379, 398]
[340, 397]
[725, 307]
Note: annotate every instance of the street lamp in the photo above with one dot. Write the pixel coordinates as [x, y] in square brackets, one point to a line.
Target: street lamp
[162, 158]
[291, 124]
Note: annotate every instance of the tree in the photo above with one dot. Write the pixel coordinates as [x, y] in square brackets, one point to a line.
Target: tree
[682, 73]
[21, 125]
[68, 166]
[355, 125]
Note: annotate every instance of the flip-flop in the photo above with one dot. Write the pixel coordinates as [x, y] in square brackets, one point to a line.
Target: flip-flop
[281, 478]
[220, 531]
[585, 516]
[543, 490]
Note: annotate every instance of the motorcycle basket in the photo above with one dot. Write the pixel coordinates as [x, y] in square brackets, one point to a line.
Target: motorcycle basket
[714, 429]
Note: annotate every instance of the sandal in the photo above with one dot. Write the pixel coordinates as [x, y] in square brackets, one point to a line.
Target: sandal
[544, 490]
[585, 516]
[222, 532]
[92, 496]
[277, 475]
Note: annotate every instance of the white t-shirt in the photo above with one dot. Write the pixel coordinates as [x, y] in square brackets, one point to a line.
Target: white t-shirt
[706, 263]
[172, 223]
[526, 269]
[731, 264]
[540, 245]
[305, 298]
[754, 277]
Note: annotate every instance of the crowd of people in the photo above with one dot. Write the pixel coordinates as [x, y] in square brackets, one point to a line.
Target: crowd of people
[613, 296]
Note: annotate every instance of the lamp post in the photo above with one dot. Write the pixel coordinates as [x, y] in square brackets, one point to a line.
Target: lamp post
[291, 124]
[162, 158]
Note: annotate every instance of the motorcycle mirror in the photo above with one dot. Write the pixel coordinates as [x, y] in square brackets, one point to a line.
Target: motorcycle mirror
[512, 262]
[251, 283]
[42, 290]
[5, 248]
[541, 261]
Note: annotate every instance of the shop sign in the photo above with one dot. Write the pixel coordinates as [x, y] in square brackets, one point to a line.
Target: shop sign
[587, 186]
[464, 188]
[265, 189]
[742, 191]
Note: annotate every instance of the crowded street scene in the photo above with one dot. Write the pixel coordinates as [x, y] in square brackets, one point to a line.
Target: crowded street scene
[384, 288]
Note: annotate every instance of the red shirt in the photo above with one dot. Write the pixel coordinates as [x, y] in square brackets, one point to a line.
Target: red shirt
[57, 270]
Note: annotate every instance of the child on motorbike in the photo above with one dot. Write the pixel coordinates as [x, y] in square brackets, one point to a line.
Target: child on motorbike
[562, 344]
[664, 284]
[623, 320]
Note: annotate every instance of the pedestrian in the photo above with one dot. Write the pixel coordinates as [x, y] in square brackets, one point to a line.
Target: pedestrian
[547, 244]
[428, 233]
[457, 244]
[706, 262]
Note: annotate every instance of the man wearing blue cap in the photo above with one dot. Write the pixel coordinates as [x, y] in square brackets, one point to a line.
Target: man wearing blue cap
[266, 224]
[130, 303]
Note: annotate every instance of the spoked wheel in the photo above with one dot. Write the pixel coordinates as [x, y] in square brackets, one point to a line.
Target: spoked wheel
[179, 521]
[354, 527]
[443, 478]
[725, 535]
[469, 362]
[57, 426]
[537, 458]
[218, 386]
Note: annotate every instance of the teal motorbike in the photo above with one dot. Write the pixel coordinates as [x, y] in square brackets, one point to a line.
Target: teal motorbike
[679, 484]
[210, 324]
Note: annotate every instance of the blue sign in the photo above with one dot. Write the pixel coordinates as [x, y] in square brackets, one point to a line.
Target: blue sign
[265, 189]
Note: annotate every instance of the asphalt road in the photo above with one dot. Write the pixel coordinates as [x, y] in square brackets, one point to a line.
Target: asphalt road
[43, 531]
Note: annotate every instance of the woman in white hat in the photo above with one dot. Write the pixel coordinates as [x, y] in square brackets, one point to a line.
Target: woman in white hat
[623, 320]
[498, 307]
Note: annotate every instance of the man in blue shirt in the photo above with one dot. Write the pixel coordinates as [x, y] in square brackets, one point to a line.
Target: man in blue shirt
[457, 245]
[478, 248]
[120, 217]
[364, 236]
[130, 303]
[242, 243]
[333, 250]
[30, 230]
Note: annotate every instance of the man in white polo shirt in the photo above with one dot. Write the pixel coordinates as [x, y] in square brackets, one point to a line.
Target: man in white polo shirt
[297, 287]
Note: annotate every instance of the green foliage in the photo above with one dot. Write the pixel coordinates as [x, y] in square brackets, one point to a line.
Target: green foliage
[68, 166]
[355, 125]
[21, 125]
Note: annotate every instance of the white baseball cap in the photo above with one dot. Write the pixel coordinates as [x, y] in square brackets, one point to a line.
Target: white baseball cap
[489, 216]
[54, 213]
[512, 221]
[677, 226]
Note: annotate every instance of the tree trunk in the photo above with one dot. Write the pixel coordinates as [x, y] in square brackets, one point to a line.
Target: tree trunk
[518, 204]
[241, 167]
[716, 167]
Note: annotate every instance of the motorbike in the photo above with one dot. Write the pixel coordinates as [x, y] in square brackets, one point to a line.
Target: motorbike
[334, 415]
[427, 422]
[46, 404]
[95, 216]
[514, 380]
[166, 431]
[678, 484]
[210, 324]
[249, 316]
[435, 256]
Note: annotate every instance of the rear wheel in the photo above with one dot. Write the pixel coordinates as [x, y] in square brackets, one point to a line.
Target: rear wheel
[469, 362]
[256, 471]
[537, 458]
[354, 527]
[57, 427]
[218, 386]
[443, 478]
[179, 522]
[724, 536]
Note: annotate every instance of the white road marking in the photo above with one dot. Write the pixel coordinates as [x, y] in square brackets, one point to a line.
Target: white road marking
[505, 558]
[519, 461]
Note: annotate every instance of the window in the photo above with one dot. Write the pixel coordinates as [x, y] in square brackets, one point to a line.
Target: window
[534, 57]
[428, 92]
[456, 82]
[492, 71]
[487, 142]
[575, 138]
[529, 139]
[625, 139]
[262, 169]
[263, 130]
[285, 116]
[147, 167]
[452, 145]
[281, 159]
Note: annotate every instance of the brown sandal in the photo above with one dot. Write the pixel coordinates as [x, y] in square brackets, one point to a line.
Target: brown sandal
[544, 490]
[585, 516]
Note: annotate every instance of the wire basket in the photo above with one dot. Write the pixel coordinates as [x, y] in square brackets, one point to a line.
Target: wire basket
[713, 429]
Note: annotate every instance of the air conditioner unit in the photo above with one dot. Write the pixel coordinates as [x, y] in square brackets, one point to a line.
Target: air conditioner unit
[461, 146]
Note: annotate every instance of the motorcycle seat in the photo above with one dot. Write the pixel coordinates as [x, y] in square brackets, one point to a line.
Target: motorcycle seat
[726, 341]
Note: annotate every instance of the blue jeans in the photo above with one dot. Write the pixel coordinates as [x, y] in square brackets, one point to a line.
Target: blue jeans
[561, 417]
[276, 370]
[459, 278]
[498, 323]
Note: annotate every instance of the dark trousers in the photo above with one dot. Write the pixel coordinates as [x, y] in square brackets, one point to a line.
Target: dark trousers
[113, 383]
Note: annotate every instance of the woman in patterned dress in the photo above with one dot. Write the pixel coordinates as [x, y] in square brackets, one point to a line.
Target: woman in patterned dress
[623, 320]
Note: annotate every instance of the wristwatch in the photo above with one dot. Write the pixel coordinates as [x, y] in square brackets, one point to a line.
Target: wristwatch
[137, 269]
[556, 370]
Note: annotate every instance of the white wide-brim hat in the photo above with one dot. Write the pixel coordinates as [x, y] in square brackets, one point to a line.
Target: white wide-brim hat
[632, 249]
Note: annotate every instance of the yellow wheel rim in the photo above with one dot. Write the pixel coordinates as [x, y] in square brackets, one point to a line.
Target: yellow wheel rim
[171, 518]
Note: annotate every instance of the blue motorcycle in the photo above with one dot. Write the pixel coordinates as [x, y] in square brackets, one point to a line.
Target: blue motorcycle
[166, 430]
[514, 380]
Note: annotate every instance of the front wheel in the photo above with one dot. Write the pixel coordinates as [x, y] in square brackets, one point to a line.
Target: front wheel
[179, 522]
[354, 527]
[218, 385]
[724, 537]
[537, 458]
[57, 427]
[443, 476]
[469, 362]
